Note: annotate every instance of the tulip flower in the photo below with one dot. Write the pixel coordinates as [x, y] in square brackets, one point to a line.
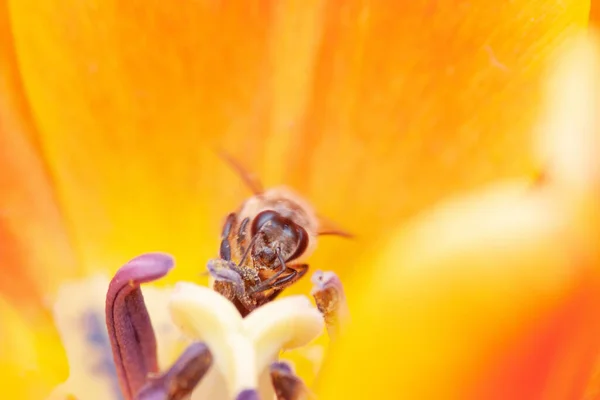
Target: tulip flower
[237, 350]
[494, 294]
[391, 119]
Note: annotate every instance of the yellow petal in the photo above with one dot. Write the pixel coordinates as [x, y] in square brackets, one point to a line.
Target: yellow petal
[481, 293]
[31, 358]
[493, 295]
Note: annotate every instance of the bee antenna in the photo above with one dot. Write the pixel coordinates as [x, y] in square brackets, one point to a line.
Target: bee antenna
[331, 229]
[247, 251]
[336, 233]
[249, 180]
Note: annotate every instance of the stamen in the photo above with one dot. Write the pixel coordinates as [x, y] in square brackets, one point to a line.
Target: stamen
[243, 347]
[286, 384]
[223, 270]
[228, 282]
[248, 394]
[129, 328]
[330, 298]
[181, 379]
[285, 324]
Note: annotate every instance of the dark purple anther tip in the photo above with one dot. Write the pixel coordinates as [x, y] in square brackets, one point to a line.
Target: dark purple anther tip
[281, 367]
[129, 328]
[182, 378]
[248, 394]
[145, 268]
[286, 384]
[222, 270]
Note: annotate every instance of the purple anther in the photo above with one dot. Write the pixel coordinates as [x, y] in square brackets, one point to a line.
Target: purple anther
[181, 379]
[281, 367]
[248, 394]
[286, 384]
[129, 328]
[222, 270]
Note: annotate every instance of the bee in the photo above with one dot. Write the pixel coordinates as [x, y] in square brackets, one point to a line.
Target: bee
[265, 244]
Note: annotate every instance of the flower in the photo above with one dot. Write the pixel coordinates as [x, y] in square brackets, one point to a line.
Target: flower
[226, 355]
[240, 349]
[109, 113]
[495, 294]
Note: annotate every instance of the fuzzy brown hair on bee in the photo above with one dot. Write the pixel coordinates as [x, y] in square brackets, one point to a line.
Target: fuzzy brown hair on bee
[264, 244]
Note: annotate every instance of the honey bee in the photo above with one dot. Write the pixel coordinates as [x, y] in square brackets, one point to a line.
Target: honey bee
[265, 244]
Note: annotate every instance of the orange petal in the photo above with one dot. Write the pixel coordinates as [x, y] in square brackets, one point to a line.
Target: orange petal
[127, 103]
[34, 247]
[493, 295]
[595, 12]
[373, 110]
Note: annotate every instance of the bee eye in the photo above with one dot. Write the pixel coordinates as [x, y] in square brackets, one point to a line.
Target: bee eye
[262, 218]
[301, 241]
[292, 230]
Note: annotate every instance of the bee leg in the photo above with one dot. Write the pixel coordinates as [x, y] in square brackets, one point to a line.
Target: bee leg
[291, 275]
[242, 301]
[273, 295]
[241, 235]
[226, 289]
[302, 269]
[230, 283]
[225, 249]
[295, 273]
[269, 294]
[267, 284]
